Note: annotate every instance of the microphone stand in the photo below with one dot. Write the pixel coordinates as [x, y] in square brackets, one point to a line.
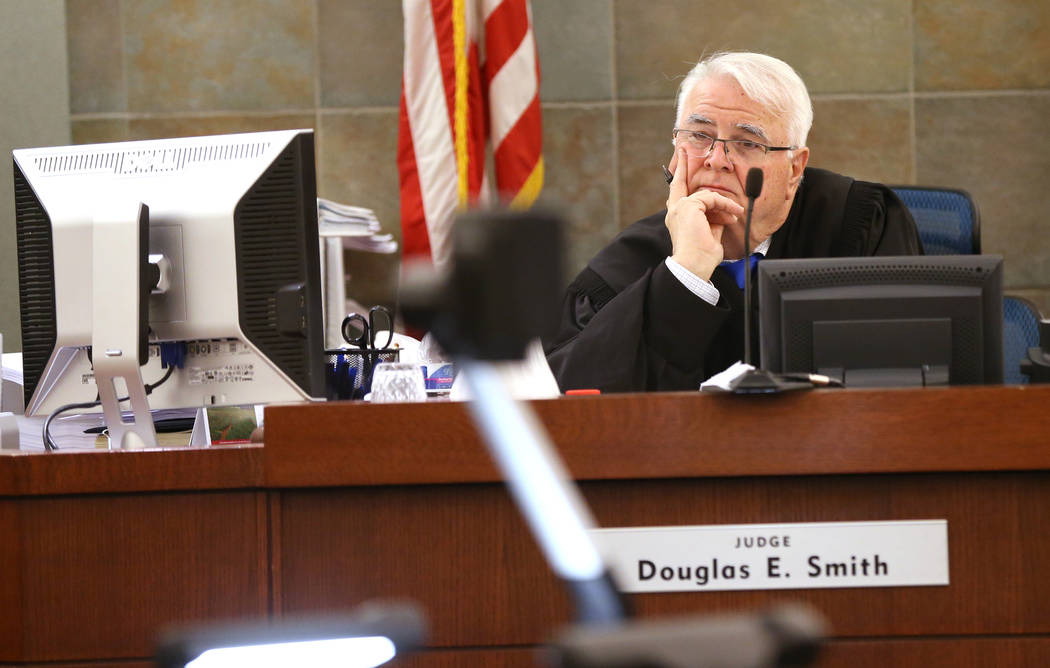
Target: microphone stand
[544, 493]
[753, 381]
[478, 325]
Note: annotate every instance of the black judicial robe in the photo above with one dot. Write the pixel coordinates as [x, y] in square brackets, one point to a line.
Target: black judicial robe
[627, 324]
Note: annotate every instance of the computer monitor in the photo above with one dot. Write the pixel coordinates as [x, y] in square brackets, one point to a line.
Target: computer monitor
[884, 321]
[232, 233]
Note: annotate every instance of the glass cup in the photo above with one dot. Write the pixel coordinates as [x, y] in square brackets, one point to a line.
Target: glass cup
[395, 382]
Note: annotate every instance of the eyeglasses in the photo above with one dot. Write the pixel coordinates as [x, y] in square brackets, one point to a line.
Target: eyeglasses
[700, 144]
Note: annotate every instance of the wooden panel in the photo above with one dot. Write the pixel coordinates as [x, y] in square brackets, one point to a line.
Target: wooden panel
[100, 575]
[115, 663]
[462, 552]
[12, 567]
[110, 471]
[274, 547]
[465, 555]
[919, 652]
[674, 435]
[512, 657]
[996, 544]
[924, 652]
[349, 502]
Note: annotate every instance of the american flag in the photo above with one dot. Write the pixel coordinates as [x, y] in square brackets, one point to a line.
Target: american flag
[471, 82]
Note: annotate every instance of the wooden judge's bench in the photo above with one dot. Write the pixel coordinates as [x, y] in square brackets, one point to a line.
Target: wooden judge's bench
[349, 502]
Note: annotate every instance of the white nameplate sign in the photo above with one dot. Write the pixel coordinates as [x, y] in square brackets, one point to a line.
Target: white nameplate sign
[776, 556]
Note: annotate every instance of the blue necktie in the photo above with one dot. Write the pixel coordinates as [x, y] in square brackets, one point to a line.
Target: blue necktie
[736, 268]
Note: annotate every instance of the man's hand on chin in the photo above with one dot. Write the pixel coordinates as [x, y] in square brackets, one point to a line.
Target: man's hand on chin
[696, 222]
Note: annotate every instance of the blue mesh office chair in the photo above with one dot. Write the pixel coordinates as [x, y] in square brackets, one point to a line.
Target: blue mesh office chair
[948, 220]
[1020, 332]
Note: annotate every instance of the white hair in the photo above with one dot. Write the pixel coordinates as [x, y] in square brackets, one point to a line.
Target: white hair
[767, 80]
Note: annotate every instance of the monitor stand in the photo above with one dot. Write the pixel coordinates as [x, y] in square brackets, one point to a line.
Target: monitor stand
[924, 375]
[120, 240]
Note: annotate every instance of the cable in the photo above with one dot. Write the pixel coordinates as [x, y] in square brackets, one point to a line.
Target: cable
[820, 380]
[49, 443]
[150, 388]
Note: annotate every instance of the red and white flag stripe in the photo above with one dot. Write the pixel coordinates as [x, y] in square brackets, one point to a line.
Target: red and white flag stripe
[457, 99]
[513, 76]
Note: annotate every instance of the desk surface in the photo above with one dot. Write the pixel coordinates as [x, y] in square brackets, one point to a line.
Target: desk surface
[674, 435]
[667, 435]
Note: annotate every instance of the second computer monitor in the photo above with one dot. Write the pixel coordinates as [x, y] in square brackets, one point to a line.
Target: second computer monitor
[884, 321]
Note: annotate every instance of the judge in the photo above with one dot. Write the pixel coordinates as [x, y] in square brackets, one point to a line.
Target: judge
[660, 308]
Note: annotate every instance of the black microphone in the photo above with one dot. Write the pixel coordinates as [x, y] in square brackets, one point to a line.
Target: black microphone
[752, 188]
[753, 185]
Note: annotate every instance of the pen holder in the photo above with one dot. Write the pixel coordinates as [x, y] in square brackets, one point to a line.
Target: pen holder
[348, 372]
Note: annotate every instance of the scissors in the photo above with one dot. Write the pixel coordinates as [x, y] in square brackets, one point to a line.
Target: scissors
[357, 331]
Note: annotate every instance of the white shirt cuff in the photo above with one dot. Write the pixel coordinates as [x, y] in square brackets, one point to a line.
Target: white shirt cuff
[703, 289]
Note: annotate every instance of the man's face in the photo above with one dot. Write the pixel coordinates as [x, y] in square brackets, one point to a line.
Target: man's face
[719, 108]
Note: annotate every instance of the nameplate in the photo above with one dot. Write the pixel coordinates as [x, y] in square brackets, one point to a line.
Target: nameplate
[814, 555]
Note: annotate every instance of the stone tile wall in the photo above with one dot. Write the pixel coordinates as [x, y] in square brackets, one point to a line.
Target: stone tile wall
[934, 92]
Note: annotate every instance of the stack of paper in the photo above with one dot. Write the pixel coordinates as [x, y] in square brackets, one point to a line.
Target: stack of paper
[12, 367]
[357, 226]
[11, 382]
[83, 431]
